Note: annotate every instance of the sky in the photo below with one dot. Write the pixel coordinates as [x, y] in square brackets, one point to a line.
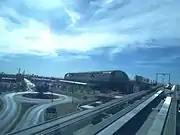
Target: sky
[53, 37]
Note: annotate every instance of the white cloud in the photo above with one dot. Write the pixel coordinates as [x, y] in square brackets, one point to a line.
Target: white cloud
[158, 61]
[133, 23]
[65, 57]
[37, 37]
[73, 15]
[43, 4]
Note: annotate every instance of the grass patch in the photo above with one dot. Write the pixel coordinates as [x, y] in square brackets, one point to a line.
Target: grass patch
[41, 96]
[1, 105]
[77, 94]
[67, 108]
[62, 110]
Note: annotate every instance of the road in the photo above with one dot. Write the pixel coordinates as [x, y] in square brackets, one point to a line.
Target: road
[9, 113]
[12, 105]
[34, 115]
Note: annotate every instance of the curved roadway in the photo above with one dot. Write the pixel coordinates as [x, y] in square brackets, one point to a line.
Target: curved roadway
[34, 115]
[9, 112]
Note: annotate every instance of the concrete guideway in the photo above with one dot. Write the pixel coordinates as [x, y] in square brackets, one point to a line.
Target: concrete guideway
[171, 126]
[108, 121]
[166, 108]
[111, 129]
[157, 127]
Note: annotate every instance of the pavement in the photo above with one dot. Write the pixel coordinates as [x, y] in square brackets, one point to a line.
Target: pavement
[9, 113]
[34, 115]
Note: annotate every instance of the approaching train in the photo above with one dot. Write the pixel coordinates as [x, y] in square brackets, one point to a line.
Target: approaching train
[111, 79]
[141, 79]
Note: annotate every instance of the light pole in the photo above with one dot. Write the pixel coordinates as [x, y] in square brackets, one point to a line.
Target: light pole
[52, 96]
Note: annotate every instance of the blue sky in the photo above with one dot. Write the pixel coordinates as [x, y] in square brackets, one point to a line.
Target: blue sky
[52, 37]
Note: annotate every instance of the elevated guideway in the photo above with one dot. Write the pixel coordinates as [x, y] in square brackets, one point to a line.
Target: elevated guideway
[146, 112]
[119, 125]
[75, 82]
[155, 116]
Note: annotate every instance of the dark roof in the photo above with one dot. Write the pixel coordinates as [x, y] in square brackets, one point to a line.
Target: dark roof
[96, 71]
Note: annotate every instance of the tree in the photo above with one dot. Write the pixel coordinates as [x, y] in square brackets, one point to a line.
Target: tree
[42, 88]
[23, 86]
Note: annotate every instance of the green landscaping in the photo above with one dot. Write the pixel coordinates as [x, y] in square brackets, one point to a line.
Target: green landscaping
[40, 96]
[1, 105]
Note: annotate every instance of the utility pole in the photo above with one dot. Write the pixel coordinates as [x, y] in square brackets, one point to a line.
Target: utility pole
[52, 96]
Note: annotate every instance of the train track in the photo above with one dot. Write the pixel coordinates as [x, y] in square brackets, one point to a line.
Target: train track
[121, 125]
[154, 116]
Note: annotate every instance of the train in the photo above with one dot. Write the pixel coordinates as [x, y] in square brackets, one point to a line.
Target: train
[141, 79]
[110, 79]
